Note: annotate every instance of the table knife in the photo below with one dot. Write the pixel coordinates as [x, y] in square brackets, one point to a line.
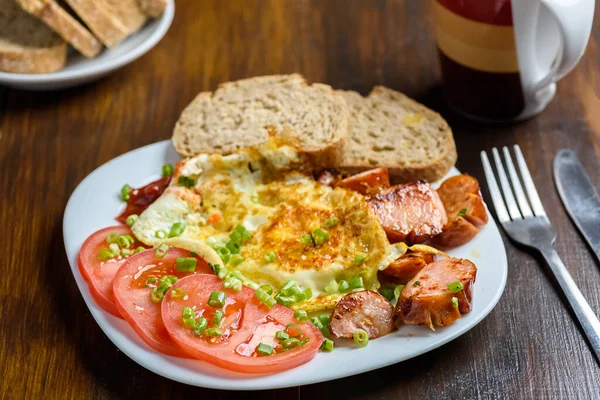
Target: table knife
[578, 196]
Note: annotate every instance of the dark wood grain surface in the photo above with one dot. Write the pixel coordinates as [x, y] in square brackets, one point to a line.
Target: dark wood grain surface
[50, 346]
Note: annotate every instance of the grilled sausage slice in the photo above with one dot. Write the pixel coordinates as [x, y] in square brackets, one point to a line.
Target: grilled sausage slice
[461, 193]
[367, 182]
[427, 300]
[406, 267]
[412, 212]
[367, 310]
[455, 234]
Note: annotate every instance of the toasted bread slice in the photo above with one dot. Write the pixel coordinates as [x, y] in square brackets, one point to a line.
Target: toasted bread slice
[240, 114]
[57, 18]
[388, 129]
[27, 45]
[153, 8]
[128, 12]
[101, 20]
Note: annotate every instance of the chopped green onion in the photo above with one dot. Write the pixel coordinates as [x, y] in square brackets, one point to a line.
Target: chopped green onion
[112, 237]
[131, 219]
[324, 319]
[320, 237]
[157, 295]
[151, 281]
[139, 249]
[105, 255]
[301, 315]
[387, 292]
[417, 283]
[290, 343]
[456, 287]
[214, 332]
[462, 212]
[255, 199]
[304, 341]
[308, 293]
[233, 247]
[114, 248]
[130, 238]
[218, 317]
[253, 286]
[170, 279]
[233, 283]
[361, 338]
[126, 252]
[317, 322]
[219, 270]
[327, 345]
[344, 287]
[281, 335]
[397, 291]
[200, 326]
[267, 289]
[331, 222]
[217, 299]
[293, 330]
[125, 190]
[332, 287]
[185, 264]
[167, 170]
[186, 181]
[122, 241]
[177, 293]
[306, 239]
[358, 260]
[264, 297]
[187, 315]
[160, 234]
[177, 229]
[454, 302]
[270, 256]
[356, 283]
[285, 300]
[264, 349]
[161, 250]
[235, 260]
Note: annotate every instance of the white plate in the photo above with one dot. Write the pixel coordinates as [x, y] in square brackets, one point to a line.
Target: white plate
[94, 205]
[80, 70]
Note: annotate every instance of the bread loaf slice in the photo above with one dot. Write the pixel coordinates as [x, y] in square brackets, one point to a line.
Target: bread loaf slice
[55, 16]
[238, 114]
[102, 21]
[389, 129]
[153, 8]
[27, 45]
[128, 12]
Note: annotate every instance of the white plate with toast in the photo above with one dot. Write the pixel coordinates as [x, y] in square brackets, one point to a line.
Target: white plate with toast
[80, 70]
[92, 207]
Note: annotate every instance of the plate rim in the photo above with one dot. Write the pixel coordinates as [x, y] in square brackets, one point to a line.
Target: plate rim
[248, 383]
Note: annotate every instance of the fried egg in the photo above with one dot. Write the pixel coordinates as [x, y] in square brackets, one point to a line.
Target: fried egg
[269, 192]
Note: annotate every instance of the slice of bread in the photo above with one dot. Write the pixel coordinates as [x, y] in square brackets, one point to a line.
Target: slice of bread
[238, 114]
[55, 16]
[27, 45]
[102, 21]
[153, 8]
[389, 129]
[128, 13]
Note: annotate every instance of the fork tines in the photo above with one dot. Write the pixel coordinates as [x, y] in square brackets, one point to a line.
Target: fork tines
[511, 203]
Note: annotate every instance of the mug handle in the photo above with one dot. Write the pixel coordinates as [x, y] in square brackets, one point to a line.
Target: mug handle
[574, 21]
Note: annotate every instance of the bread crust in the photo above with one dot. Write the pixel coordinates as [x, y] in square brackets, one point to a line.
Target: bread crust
[153, 8]
[33, 60]
[108, 28]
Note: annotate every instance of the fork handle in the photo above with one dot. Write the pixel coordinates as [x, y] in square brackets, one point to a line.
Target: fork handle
[588, 320]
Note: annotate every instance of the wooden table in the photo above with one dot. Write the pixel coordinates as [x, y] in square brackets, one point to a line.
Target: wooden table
[50, 346]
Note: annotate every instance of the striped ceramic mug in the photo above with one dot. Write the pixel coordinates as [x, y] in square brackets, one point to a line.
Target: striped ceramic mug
[500, 59]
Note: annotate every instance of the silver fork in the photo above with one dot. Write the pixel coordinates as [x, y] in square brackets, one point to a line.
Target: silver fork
[531, 227]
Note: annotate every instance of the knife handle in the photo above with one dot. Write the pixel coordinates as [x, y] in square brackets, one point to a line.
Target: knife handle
[588, 320]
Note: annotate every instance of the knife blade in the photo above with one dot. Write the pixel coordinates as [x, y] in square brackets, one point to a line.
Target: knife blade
[578, 196]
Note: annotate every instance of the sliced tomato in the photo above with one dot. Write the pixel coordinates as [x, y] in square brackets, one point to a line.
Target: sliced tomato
[246, 324]
[140, 199]
[133, 294]
[99, 273]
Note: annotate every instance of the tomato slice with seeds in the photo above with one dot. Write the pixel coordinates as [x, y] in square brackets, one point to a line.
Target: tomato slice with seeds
[246, 324]
[133, 294]
[100, 273]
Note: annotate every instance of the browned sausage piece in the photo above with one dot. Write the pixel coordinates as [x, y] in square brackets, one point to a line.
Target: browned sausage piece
[412, 212]
[406, 267]
[367, 182]
[367, 310]
[427, 300]
[455, 234]
[461, 193]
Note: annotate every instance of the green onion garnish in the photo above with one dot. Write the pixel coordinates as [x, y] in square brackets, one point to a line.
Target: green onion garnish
[462, 212]
[235, 260]
[306, 239]
[123, 242]
[270, 256]
[320, 237]
[361, 338]
[185, 264]
[293, 330]
[358, 260]
[161, 250]
[131, 219]
[356, 283]
[177, 293]
[344, 287]
[114, 249]
[151, 282]
[304, 341]
[112, 237]
[214, 332]
[187, 315]
[126, 252]
[186, 181]
[331, 222]
[398, 290]
[105, 255]
[167, 170]
[267, 289]
[301, 315]
[217, 299]
[160, 234]
[307, 293]
[125, 190]
[177, 229]
[156, 295]
[255, 199]
[264, 349]
[265, 298]
[139, 249]
[218, 317]
[455, 287]
[417, 283]
[327, 345]
[233, 283]
[332, 287]
[281, 335]
[454, 302]
[290, 343]
[324, 319]
[285, 300]
[169, 279]
[200, 326]
[387, 292]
